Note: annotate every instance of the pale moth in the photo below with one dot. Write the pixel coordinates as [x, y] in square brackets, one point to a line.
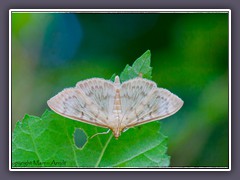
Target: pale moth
[114, 105]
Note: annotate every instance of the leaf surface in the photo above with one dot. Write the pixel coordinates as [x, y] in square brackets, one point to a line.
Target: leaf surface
[49, 141]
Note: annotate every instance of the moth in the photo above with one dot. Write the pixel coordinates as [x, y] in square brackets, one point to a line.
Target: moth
[114, 105]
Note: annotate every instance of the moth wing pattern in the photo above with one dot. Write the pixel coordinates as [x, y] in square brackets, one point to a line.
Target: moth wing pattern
[90, 101]
[115, 106]
[100, 91]
[146, 102]
[132, 93]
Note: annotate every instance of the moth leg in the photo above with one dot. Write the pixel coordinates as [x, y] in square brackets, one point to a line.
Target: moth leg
[100, 133]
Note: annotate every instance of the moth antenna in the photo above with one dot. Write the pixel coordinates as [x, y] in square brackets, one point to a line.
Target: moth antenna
[100, 133]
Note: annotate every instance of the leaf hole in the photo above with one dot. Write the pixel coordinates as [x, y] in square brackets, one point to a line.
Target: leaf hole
[80, 138]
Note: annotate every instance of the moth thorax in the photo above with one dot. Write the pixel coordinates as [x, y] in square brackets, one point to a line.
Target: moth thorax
[117, 104]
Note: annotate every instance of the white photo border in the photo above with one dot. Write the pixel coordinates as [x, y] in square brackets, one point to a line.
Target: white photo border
[120, 11]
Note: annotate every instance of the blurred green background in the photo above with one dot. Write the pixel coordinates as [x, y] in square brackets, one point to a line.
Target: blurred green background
[52, 51]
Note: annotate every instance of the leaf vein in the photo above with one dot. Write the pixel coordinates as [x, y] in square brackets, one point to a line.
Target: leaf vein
[72, 145]
[34, 145]
[129, 159]
[103, 150]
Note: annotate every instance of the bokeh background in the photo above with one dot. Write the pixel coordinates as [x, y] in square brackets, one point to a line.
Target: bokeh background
[52, 51]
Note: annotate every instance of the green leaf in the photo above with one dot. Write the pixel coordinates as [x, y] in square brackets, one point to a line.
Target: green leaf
[141, 65]
[113, 77]
[52, 140]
